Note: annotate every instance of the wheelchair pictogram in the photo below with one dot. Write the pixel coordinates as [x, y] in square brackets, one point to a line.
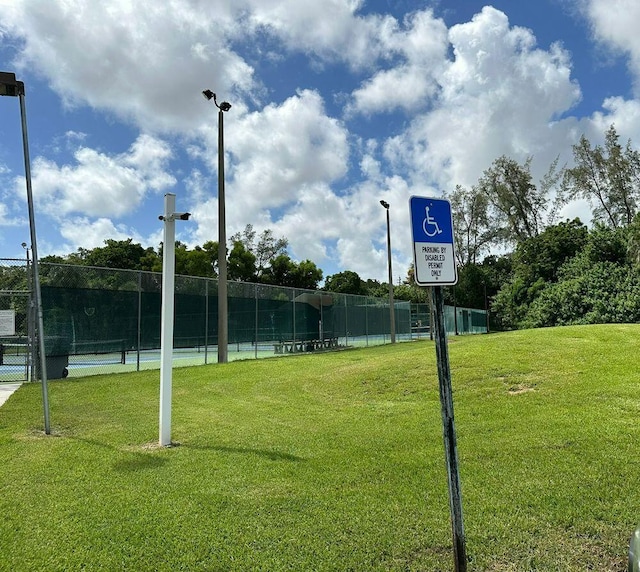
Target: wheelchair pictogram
[430, 223]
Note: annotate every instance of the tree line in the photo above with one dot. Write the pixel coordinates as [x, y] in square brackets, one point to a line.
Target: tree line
[549, 272]
[553, 272]
[252, 258]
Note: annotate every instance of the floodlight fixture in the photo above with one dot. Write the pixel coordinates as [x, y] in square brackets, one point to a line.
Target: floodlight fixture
[385, 204]
[209, 95]
[9, 86]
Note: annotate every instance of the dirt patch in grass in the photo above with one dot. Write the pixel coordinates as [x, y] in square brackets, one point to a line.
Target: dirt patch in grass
[521, 388]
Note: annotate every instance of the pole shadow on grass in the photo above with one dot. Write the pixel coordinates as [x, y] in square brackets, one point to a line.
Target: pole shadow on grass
[271, 455]
[134, 460]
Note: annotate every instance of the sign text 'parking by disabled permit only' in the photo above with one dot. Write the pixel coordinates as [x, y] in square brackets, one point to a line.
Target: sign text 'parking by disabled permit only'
[432, 231]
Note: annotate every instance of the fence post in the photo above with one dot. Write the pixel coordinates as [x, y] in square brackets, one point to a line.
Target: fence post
[206, 320]
[346, 322]
[139, 340]
[255, 291]
[293, 301]
[366, 320]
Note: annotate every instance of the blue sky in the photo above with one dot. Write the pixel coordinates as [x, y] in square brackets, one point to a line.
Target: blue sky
[335, 106]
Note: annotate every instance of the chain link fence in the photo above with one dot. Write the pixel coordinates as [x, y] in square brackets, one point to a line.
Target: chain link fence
[457, 320]
[16, 320]
[99, 320]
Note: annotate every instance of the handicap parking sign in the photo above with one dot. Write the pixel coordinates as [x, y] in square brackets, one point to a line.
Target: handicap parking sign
[433, 250]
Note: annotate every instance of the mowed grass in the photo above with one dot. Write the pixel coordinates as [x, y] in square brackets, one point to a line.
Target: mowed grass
[335, 461]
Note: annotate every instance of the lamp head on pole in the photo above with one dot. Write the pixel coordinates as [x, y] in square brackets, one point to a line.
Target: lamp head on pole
[10, 86]
[385, 204]
[209, 95]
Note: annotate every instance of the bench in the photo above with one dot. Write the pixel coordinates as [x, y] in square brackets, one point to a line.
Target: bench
[304, 345]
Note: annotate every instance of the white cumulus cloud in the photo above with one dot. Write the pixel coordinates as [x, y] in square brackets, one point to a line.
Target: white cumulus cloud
[102, 185]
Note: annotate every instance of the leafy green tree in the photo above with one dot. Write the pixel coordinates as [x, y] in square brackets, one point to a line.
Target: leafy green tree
[535, 263]
[306, 275]
[123, 254]
[241, 264]
[376, 289]
[268, 248]
[247, 237]
[54, 259]
[497, 270]
[608, 177]
[265, 250]
[151, 261]
[196, 262]
[285, 272]
[469, 291]
[211, 248]
[409, 293]
[279, 271]
[181, 258]
[408, 290]
[346, 282]
[473, 230]
[599, 285]
[543, 255]
[633, 248]
[199, 262]
[517, 206]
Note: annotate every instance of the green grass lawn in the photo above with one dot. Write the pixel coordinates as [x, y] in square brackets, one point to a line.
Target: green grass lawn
[335, 461]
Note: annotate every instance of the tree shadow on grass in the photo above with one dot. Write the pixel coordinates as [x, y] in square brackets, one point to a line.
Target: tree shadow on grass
[271, 455]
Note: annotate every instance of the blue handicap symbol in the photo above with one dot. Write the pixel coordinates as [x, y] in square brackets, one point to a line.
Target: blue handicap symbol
[430, 225]
[431, 220]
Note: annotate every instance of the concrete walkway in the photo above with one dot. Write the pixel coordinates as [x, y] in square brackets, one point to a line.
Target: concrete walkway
[6, 391]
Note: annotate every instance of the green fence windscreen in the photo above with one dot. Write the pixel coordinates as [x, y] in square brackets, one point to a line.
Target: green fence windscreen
[95, 310]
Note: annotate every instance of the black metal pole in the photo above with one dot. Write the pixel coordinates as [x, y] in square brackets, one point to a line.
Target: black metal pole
[36, 273]
[449, 431]
[222, 250]
[392, 312]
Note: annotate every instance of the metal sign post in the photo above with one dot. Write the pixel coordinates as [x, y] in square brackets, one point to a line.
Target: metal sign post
[449, 431]
[435, 266]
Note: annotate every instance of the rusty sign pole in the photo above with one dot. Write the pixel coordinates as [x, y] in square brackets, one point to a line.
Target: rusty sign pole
[449, 431]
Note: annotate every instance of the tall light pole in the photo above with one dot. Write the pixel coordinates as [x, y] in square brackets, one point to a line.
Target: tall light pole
[392, 313]
[222, 234]
[9, 86]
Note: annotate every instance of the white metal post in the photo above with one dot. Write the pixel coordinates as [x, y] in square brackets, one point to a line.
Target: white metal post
[166, 327]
